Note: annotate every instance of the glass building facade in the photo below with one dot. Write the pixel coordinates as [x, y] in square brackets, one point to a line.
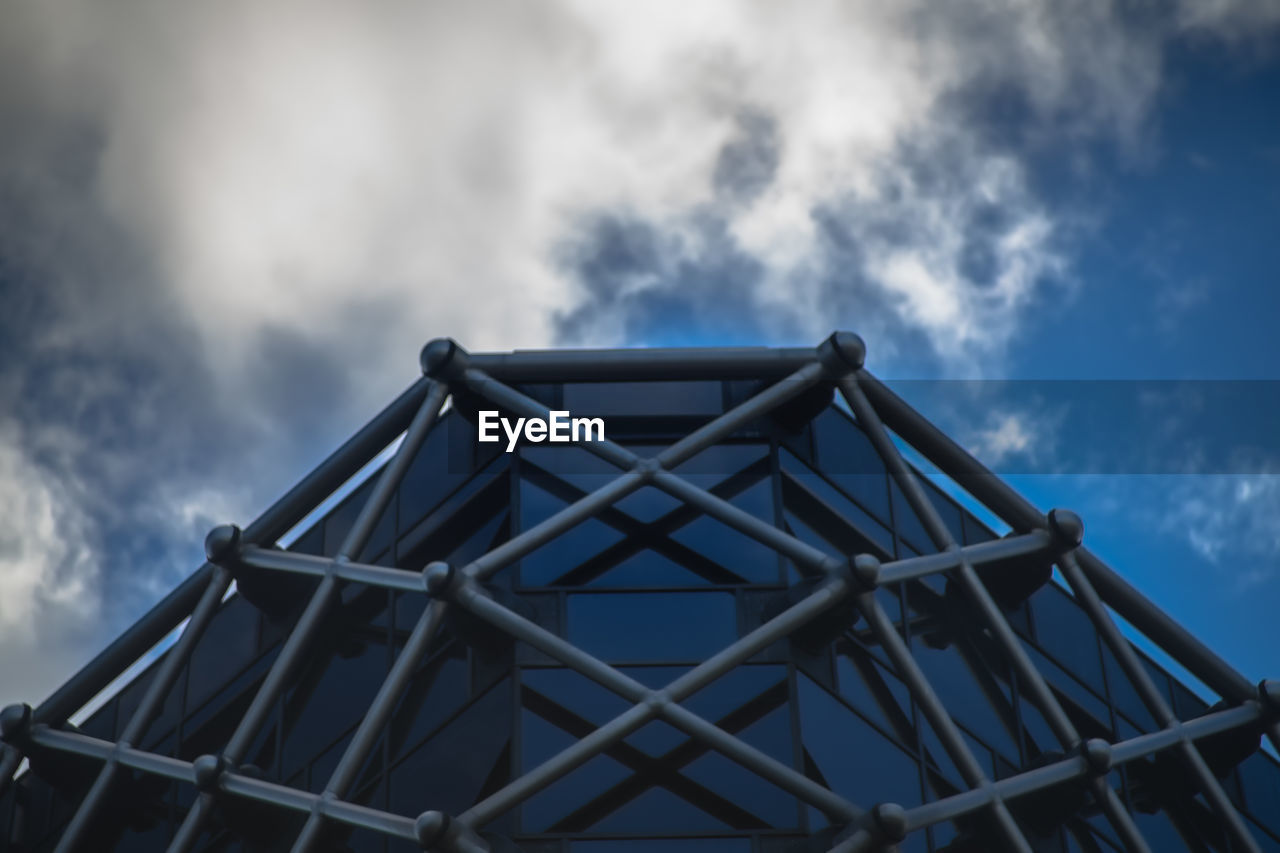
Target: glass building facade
[362, 708]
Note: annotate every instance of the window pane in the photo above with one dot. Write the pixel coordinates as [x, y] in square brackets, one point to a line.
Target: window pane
[1066, 634]
[470, 747]
[644, 398]
[678, 626]
[227, 646]
[855, 761]
[845, 454]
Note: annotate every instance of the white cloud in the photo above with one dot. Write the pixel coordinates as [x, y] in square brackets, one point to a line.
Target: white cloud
[359, 178]
[1229, 520]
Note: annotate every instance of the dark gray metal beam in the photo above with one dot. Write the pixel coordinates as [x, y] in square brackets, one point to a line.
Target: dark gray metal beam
[632, 365]
[314, 614]
[1028, 676]
[954, 461]
[339, 467]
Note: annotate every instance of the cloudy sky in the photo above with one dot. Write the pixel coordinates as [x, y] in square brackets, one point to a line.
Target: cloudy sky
[226, 230]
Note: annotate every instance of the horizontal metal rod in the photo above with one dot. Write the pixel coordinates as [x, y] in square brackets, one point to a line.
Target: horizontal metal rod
[634, 365]
[958, 464]
[1029, 678]
[1074, 767]
[282, 515]
[1243, 716]
[1154, 702]
[1034, 543]
[75, 833]
[376, 721]
[939, 718]
[230, 782]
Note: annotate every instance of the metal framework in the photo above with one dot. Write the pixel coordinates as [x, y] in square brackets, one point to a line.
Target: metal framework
[850, 582]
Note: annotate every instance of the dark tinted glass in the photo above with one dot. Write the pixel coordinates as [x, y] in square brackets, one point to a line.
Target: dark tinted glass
[677, 626]
[1066, 634]
[229, 644]
[842, 747]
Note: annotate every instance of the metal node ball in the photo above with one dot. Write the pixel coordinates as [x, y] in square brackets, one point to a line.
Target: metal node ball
[430, 827]
[14, 721]
[1269, 693]
[207, 769]
[437, 577]
[891, 820]
[1097, 753]
[222, 543]
[1067, 527]
[843, 351]
[866, 569]
[442, 358]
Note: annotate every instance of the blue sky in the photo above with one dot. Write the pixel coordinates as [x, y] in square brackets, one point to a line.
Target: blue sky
[224, 235]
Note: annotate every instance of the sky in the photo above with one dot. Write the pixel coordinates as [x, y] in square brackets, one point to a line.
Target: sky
[227, 229]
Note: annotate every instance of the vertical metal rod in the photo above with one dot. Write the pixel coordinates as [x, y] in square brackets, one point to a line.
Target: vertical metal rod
[366, 736]
[936, 713]
[312, 618]
[74, 836]
[987, 609]
[1133, 669]
[376, 720]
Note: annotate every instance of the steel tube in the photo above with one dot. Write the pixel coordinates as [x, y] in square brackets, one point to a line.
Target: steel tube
[1074, 767]
[1033, 543]
[934, 711]
[1004, 501]
[269, 526]
[1028, 676]
[73, 837]
[313, 616]
[744, 522]
[375, 721]
[1156, 704]
[749, 757]
[635, 365]
[602, 738]
[740, 415]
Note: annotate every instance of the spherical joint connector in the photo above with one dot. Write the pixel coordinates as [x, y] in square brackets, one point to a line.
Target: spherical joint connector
[1067, 528]
[866, 571]
[208, 771]
[430, 828]
[443, 358]
[439, 578]
[842, 353]
[1269, 696]
[890, 821]
[15, 723]
[1097, 754]
[222, 545]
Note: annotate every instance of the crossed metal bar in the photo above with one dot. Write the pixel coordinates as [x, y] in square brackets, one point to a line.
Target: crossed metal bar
[839, 360]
